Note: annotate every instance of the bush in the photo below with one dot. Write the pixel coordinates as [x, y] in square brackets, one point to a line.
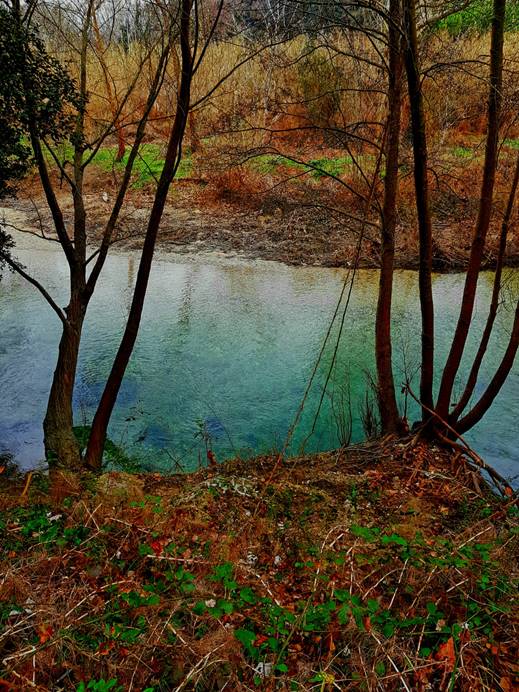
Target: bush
[477, 18]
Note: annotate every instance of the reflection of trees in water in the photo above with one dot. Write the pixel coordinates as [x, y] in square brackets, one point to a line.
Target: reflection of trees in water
[131, 281]
[184, 312]
[349, 405]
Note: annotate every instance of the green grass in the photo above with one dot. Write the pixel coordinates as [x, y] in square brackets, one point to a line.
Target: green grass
[317, 168]
[462, 152]
[146, 169]
[150, 162]
[477, 18]
[512, 143]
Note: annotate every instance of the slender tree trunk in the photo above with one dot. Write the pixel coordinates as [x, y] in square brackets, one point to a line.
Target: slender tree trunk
[493, 389]
[194, 139]
[114, 108]
[61, 447]
[494, 304]
[389, 415]
[94, 453]
[422, 205]
[485, 211]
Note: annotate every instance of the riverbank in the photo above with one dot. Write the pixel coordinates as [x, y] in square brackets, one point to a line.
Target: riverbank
[308, 224]
[388, 565]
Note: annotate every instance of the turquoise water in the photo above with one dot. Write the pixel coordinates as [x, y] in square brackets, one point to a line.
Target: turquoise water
[226, 347]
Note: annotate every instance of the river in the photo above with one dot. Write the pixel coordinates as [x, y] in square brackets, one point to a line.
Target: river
[224, 354]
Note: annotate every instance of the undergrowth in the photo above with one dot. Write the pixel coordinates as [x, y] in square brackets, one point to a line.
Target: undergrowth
[371, 569]
[146, 169]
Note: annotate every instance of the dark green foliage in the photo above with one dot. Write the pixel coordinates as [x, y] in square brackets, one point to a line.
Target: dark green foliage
[37, 98]
[477, 18]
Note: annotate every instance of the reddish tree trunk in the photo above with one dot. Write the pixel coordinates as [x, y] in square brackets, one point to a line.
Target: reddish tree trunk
[389, 415]
[485, 210]
[61, 447]
[422, 205]
[494, 304]
[493, 389]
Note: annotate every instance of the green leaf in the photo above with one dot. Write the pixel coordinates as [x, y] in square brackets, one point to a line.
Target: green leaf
[431, 608]
[248, 596]
[225, 606]
[342, 595]
[318, 677]
[245, 637]
[369, 534]
[380, 668]
[393, 538]
[273, 643]
[199, 608]
[389, 629]
[373, 605]
[343, 615]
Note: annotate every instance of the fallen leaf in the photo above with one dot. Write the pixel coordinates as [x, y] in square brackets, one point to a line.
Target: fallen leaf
[45, 633]
[105, 648]
[260, 639]
[447, 653]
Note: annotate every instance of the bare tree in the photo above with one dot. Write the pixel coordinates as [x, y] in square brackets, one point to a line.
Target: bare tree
[186, 26]
[485, 211]
[389, 414]
[419, 136]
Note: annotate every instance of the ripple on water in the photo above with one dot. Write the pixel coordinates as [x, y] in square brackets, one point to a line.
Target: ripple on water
[227, 343]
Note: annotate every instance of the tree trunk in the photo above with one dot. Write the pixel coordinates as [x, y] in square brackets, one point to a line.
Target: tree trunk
[193, 134]
[494, 304]
[422, 206]
[96, 442]
[485, 211]
[500, 377]
[389, 415]
[61, 447]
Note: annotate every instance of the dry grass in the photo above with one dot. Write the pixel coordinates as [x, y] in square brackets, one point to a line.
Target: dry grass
[298, 102]
[381, 567]
[299, 84]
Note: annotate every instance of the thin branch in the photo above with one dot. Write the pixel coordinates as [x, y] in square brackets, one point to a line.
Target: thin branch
[18, 268]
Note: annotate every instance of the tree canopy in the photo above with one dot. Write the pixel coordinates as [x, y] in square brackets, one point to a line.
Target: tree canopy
[37, 97]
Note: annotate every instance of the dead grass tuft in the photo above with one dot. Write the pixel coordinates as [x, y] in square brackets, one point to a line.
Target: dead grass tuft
[380, 566]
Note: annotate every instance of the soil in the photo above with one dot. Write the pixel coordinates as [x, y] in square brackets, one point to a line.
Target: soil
[308, 226]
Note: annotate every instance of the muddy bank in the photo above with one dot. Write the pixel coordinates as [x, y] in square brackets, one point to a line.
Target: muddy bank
[298, 232]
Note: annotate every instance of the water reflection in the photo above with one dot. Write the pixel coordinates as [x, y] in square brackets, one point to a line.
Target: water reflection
[227, 348]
